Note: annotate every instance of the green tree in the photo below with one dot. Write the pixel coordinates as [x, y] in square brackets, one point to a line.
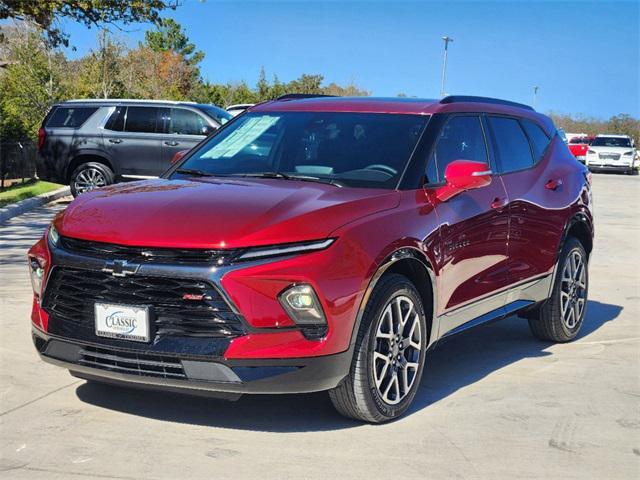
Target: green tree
[31, 82]
[100, 72]
[305, 83]
[170, 36]
[45, 14]
[263, 89]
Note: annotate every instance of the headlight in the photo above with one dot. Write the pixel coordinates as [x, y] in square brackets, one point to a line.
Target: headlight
[53, 236]
[36, 272]
[285, 249]
[302, 305]
[628, 153]
[591, 152]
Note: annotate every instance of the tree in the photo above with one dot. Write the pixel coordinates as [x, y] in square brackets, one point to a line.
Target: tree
[306, 83]
[99, 13]
[263, 88]
[170, 36]
[100, 72]
[31, 82]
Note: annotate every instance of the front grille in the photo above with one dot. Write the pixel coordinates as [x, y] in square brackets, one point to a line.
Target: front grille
[610, 156]
[111, 251]
[71, 294]
[132, 363]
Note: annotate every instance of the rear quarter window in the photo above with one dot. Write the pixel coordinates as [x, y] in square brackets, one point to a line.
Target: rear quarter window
[537, 137]
[70, 117]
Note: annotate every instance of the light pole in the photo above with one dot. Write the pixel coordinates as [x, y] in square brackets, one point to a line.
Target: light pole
[535, 95]
[444, 62]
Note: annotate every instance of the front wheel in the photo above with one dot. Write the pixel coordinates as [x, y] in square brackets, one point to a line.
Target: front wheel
[560, 318]
[389, 354]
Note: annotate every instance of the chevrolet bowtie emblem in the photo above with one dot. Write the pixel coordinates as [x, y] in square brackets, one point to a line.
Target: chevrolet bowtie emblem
[120, 268]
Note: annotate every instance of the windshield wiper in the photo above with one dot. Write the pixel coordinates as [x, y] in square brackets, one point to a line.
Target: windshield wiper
[287, 176]
[194, 172]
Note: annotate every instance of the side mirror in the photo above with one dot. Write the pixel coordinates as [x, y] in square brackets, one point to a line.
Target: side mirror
[462, 175]
[208, 129]
[178, 156]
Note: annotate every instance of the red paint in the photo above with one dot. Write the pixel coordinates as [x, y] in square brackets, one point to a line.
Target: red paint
[178, 156]
[479, 233]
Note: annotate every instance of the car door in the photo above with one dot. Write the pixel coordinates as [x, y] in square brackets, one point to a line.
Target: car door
[183, 129]
[521, 149]
[474, 228]
[133, 140]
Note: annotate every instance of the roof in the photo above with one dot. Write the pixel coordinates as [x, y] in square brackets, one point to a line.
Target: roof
[614, 135]
[401, 105]
[111, 101]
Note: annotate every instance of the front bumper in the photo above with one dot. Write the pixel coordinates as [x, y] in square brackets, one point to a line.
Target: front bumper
[604, 167]
[192, 374]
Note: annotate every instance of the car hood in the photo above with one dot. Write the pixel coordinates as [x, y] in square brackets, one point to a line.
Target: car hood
[217, 213]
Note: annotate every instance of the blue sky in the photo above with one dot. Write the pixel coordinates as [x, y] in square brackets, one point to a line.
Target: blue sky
[584, 56]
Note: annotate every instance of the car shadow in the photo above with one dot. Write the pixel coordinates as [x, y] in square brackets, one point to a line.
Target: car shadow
[465, 359]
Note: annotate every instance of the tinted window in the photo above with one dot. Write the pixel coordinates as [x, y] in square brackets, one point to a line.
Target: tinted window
[353, 149]
[537, 137]
[510, 144]
[611, 142]
[141, 119]
[580, 140]
[219, 115]
[70, 117]
[460, 139]
[186, 122]
[116, 120]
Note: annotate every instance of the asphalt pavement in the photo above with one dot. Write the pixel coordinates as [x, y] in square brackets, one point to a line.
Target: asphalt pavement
[494, 402]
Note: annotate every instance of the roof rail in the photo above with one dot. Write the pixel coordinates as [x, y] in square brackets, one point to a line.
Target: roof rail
[130, 100]
[473, 99]
[298, 96]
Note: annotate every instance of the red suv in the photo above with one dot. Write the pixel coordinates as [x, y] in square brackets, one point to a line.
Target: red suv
[320, 244]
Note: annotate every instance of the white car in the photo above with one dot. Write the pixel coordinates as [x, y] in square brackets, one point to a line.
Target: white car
[612, 152]
[238, 108]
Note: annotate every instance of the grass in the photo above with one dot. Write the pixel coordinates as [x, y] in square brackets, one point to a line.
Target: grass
[16, 193]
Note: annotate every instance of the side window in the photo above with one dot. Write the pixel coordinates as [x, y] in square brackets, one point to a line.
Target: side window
[510, 144]
[539, 140]
[185, 122]
[141, 119]
[116, 120]
[70, 117]
[460, 139]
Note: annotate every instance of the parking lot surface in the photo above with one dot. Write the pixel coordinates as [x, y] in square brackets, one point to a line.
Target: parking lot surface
[494, 402]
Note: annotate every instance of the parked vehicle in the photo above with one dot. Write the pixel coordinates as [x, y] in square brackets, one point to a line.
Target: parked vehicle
[612, 153]
[93, 143]
[238, 108]
[578, 146]
[320, 244]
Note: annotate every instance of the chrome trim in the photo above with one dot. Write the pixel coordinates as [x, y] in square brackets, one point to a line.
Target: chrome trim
[258, 252]
[140, 177]
[483, 173]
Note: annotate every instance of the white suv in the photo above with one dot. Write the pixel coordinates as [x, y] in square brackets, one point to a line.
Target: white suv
[612, 152]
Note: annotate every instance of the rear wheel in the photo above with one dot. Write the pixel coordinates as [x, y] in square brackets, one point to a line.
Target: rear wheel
[560, 318]
[389, 354]
[90, 175]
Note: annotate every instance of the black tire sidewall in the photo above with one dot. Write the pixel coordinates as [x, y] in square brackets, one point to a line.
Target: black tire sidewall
[402, 287]
[571, 246]
[106, 171]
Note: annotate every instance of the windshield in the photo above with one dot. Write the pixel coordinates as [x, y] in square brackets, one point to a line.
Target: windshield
[219, 115]
[349, 149]
[580, 140]
[611, 142]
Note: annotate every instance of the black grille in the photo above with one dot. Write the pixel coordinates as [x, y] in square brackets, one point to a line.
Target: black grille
[71, 294]
[112, 251]
[132, 363]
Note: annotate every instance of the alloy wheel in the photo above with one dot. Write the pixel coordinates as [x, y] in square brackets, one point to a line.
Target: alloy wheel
[396, 354]
[88, 179]
[573, 289]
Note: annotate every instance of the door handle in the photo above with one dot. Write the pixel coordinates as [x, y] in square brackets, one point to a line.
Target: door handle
[553, 184]
[498, 203]
[115, 140]
[172, 143]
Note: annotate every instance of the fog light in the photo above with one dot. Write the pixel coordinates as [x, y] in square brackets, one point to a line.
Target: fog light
[302, 305]
[36, 271]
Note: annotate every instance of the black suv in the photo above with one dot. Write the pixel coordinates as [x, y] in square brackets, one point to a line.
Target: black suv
[92, 143]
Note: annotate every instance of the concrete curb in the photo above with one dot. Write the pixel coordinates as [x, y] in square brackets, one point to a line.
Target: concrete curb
[15, 209]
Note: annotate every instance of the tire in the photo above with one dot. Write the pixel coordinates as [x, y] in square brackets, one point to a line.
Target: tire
[374, 396]
[88, 176]
[561, 317]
